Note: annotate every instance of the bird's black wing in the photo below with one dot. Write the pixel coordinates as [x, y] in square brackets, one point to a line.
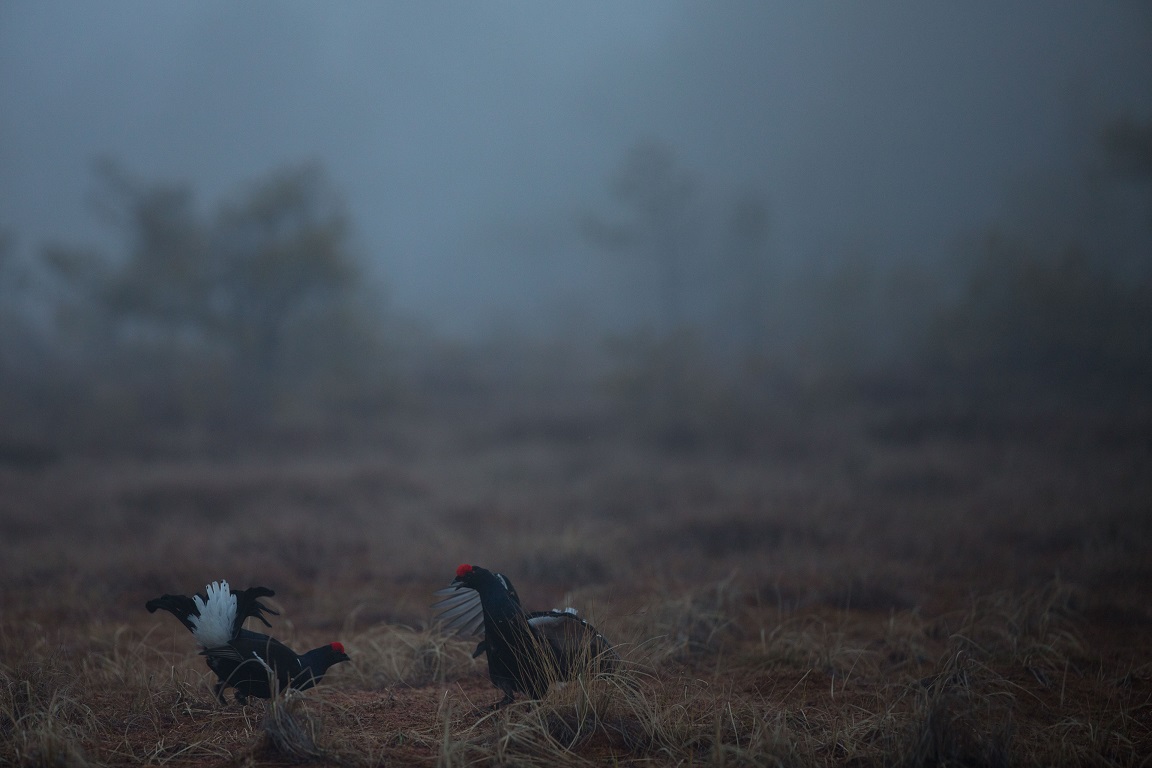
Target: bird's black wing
[253, 648]
[248, 604]
[180, 606]
[460, 610]
[223, 653]
[247, 637]
[507, 582]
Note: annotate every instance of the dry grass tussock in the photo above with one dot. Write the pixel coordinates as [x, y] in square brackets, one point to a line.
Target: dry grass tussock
[839, 606]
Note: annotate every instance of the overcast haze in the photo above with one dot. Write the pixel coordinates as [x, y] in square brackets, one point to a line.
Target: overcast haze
[468, 138]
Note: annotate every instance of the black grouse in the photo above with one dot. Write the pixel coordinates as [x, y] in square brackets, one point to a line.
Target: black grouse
[526, 650]
[250, 662]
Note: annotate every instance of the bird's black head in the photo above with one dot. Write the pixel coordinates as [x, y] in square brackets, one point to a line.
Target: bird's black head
[470, 576]
[317, 661]
[337, 652]
[320, 659]
[484, 581]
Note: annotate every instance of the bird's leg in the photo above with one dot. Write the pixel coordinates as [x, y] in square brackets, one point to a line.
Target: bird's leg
[220, 692]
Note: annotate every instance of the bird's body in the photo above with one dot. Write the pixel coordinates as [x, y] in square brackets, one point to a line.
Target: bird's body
[252, 663]
[258, 665]
[526, 651]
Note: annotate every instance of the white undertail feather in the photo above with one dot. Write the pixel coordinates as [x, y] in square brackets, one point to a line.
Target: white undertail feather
[213, 627]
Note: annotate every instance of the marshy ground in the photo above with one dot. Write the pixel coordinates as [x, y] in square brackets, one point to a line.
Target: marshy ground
[868, 584]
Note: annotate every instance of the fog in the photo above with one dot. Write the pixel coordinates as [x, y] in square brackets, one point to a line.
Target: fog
[479, 148]
[467, 137]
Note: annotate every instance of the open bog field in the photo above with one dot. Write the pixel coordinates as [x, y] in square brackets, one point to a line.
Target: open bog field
[869, 585]
[804, 349]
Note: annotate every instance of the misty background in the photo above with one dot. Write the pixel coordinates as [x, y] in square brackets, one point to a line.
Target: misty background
[221, 221]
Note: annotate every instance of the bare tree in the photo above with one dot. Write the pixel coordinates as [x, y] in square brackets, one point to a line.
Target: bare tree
[223, 319]
[655, 194]
[160, 287]
[279, 260]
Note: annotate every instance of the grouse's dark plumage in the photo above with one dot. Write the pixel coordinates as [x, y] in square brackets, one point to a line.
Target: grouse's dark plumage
[526, 650]
[206, 615]
[252, 663]
[258, 665]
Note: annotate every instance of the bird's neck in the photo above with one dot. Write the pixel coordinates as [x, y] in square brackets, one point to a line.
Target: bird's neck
[317, 660]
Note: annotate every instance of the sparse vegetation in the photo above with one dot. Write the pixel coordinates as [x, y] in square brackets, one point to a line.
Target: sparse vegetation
[818, 610]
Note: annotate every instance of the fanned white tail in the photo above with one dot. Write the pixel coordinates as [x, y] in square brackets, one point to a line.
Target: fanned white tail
[217, 614]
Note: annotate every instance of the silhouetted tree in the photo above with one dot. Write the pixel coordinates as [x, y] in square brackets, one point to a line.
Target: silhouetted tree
[654, 194]
[230, 318]
[280, 263]
[1059, 322]
[161, 286]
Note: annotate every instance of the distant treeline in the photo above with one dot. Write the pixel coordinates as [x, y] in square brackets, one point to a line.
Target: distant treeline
[259, 323]
[255, 318]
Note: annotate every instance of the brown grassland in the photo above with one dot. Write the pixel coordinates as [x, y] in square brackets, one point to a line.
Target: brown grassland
[869, 584]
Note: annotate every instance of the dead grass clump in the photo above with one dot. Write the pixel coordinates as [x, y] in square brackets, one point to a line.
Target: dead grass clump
[290, 731]
[592, 716]
[631, 716]
[1100, 737]
[953, 729]
[394, 655]
[179, 747]
[154, 680]
[687, 626]
[43, 721]
[961, 715]
[679, 720]
[1035, 630]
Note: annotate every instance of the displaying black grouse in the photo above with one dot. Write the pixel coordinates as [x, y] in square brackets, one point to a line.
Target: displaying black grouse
[252, 663]
[526, 650]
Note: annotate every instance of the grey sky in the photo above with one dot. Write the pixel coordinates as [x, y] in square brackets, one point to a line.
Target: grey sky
[468, 137]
